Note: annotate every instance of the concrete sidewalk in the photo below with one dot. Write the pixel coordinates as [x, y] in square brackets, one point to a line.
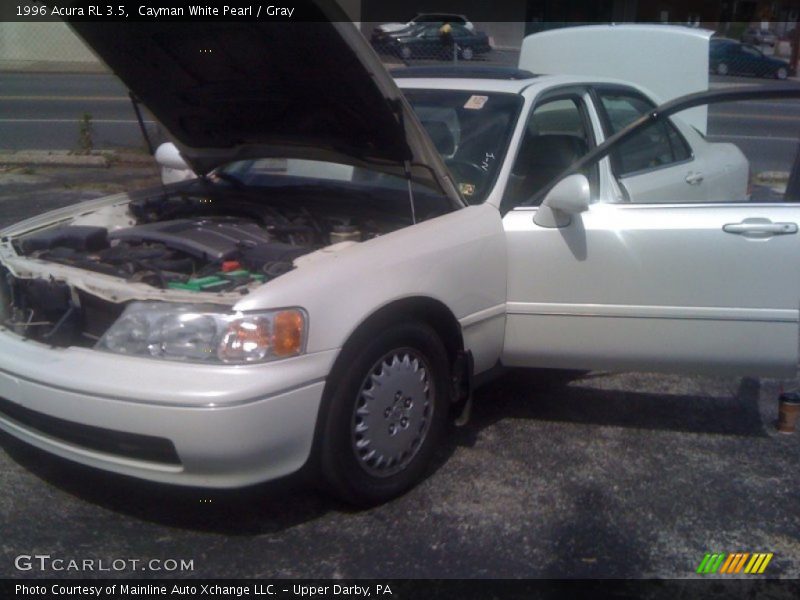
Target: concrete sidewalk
[70, 158]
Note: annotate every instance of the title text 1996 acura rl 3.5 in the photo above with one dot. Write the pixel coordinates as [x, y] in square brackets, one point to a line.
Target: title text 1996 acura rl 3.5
[241, 326]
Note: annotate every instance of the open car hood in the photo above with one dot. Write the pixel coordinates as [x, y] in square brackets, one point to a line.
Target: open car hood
[231, 90]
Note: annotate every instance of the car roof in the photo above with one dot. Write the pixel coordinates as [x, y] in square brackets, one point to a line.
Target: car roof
[446, 15]
[462, 72]
[510, 86]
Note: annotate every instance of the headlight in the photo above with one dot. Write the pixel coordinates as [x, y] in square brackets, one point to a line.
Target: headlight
[204, 334]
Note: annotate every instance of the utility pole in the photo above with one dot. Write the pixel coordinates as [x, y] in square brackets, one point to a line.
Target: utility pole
[795, 48]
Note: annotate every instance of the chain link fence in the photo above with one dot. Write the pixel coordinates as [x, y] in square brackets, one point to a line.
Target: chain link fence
[411, 53]
[438, 43]
[53, 47]
[43, 47]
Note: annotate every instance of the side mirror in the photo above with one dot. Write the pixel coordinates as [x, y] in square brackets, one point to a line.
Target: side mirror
[570, 196]
[173, 167]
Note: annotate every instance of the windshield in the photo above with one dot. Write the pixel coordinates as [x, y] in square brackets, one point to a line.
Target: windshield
[471, 131]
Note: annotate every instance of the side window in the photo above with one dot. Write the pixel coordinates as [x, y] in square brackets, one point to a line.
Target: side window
[680, 149]
[655, 146]
[430, 32]
[555, 137]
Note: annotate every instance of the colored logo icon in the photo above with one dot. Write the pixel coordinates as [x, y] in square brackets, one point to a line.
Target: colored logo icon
[728, 564]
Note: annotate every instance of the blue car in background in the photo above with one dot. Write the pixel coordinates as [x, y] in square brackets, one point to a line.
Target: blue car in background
[426, 41]
[729, 57]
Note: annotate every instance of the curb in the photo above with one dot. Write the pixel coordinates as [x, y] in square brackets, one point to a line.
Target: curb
[67, 158]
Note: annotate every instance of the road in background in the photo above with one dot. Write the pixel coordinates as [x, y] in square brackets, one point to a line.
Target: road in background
[767, 132]
[43, 112]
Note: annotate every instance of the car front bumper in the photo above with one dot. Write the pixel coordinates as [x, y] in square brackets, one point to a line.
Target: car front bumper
[202, 425]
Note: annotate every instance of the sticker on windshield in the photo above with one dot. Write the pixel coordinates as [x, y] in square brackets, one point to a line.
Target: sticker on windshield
[476, 102]
[466, 189]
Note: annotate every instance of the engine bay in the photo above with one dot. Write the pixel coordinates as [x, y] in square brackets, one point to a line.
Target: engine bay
[203, 239]
[191, 239]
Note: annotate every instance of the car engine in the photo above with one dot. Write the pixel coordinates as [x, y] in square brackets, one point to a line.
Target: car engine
[198, 239]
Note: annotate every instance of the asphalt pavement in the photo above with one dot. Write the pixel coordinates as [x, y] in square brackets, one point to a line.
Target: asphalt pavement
[600, 475]
[43, 111]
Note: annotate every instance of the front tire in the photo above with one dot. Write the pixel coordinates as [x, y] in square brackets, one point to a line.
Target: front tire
[722, 69]
[386, 414]
[781, 73]
[405, 52]
[467, 54]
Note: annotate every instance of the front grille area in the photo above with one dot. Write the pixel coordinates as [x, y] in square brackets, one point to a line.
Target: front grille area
[51, 312]
[109, 441]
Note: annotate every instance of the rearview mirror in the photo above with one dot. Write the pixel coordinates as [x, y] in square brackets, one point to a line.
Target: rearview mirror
[570, 196]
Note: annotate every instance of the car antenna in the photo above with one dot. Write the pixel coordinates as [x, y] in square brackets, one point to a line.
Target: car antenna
[137, 110]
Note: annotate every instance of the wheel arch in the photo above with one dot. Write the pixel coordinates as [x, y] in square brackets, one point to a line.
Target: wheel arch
[428, 310]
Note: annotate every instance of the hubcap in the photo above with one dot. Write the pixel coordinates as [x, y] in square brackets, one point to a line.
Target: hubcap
[393, 413]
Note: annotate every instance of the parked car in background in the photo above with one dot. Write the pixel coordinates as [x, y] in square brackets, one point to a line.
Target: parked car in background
[421, 18]
[759, 37]
[425, 41]
[729, 57]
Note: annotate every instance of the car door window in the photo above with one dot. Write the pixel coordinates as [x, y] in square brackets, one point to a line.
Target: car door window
[430, 33]
[556, 135]
[751, 52]
[739, 151]
[656, 146]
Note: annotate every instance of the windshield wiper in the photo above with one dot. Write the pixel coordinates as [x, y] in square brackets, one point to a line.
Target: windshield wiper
[226, 177]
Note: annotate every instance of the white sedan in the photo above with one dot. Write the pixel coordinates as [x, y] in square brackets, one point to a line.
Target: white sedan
[257, 321]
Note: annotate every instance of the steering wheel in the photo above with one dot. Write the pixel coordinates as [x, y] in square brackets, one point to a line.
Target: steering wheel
[469, 177]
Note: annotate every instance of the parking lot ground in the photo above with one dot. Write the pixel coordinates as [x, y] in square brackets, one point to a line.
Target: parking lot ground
[595, 475]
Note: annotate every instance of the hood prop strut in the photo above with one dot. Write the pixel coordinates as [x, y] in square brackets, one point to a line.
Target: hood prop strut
[397, 106]
[407, 168]
[137, 110]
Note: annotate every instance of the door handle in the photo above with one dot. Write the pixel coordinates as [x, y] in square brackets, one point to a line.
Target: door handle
[760, 228]
[694, 178]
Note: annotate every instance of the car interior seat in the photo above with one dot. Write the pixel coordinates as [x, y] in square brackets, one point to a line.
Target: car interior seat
[540, 159]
